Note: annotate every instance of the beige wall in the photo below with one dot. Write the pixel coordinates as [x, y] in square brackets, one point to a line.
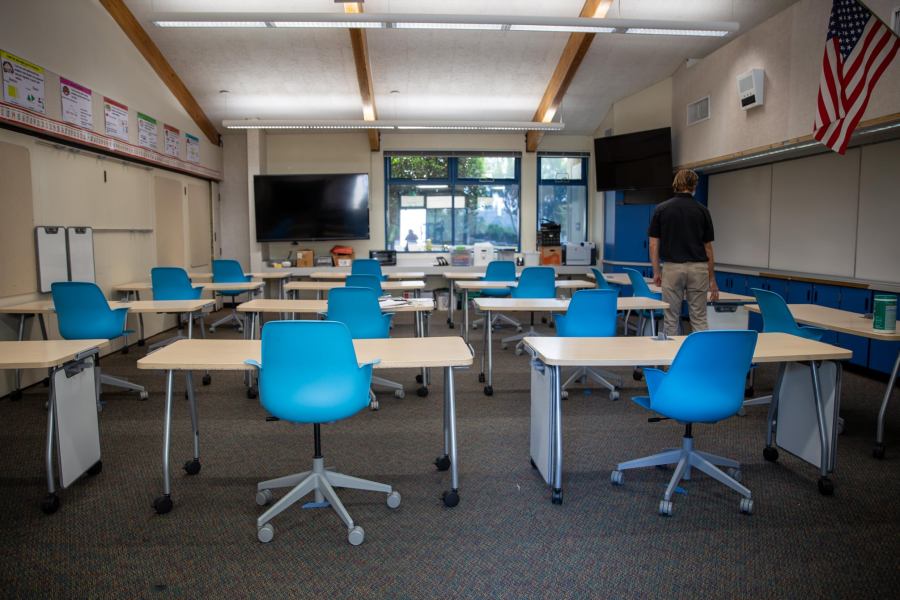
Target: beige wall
[789, 47]
[650, 108]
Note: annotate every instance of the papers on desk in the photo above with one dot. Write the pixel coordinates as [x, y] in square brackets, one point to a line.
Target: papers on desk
[392, 302]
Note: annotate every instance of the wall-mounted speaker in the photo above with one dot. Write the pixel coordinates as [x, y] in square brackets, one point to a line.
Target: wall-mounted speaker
[750, 88]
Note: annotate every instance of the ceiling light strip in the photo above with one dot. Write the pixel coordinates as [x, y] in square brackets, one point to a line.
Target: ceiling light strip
[391, 125]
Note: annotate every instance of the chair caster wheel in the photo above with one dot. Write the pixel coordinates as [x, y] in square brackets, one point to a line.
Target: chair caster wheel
[212, 329]
[50, 504]
[637, 375]
[207, 379]
[143, 395]
[399, 394]
[252, 393]
[125, 349]
[192, 467]
[614, 395]
[503, 346]
[451, 325]
[442, 463]
[734, 474]
[141, 342]
[393, 500]
[665, 508]
[480, 379]
[374, 405]
[266, 533]
[356, 535]
[488, 390]
[96, 468]
[15, 395]
[419, 378]
[519, 351]
[565, 395]
[162, 504]
[617, 477]
[770, 453]
[519, 329]
[450, 498]
[826, 487]
[474, 326]
[556, 496]
[878, 451]
[422, 392]
[747, 506]
[263, 497]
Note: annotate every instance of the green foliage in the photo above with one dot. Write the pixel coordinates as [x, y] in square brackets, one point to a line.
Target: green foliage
[419, 167]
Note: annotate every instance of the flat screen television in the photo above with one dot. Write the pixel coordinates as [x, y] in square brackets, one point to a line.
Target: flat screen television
[312, 207]
[634, 161]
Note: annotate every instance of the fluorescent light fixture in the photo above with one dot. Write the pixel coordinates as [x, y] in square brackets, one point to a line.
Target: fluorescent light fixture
[456, 22]
[398, 125]
[432, 187]
[563, 28]
[685, 32]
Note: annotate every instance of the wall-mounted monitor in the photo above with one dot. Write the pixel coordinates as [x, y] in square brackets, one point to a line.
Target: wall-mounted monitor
[311, 207]
[634, 161]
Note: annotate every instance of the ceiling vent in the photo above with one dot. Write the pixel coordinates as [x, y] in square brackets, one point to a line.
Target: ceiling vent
[698, 111]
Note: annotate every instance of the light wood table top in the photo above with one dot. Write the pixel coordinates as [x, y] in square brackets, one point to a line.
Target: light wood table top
[277, 274]
[321, 306]
[648, 351]
[136, 306]
[457, 275]
[28, 308]
[341, 275]
[229, 355]
[144, 286]
[622, 279]
[39, 354]
[560, 305]
[491, 285]
[835, 319]
[407, 285]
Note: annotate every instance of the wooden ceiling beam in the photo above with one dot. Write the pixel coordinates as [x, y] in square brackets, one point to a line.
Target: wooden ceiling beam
[574, 52]
[364, 75]
[151, 53]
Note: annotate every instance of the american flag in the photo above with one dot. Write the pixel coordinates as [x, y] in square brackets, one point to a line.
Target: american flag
[858, 49]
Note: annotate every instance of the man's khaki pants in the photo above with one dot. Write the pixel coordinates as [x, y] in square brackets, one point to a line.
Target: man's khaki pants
[685, 281]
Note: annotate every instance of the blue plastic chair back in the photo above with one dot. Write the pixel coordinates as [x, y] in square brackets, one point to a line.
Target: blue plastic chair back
[777, 317]
[705, 383]
[591, 313]
[173, 283]
[367, 281]
[367, 266]
[602, 284]
[358, 309]
[499, 270]
[639, 286]
[536, 282]
[83, 312]
[309, 372]
[229, 271]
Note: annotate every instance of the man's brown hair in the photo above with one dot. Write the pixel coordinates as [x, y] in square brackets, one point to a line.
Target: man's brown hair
[685, 181]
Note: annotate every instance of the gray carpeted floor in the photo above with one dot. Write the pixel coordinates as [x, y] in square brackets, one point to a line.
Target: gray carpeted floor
[504, 540]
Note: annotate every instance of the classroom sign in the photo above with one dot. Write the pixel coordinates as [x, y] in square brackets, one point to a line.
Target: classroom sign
[76, 103]
[193, 148]
[146, 131]
[23, 82]
[172, 141]
[115, 116]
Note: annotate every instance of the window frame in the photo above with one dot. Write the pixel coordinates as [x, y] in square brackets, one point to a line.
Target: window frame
[583, 182]
[452, 182]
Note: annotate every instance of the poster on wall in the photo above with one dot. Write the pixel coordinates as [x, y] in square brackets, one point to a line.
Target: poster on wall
[193, 148]
[172, 141]
[76, 103]
[146, 131]
[23, 82]
[115, 116]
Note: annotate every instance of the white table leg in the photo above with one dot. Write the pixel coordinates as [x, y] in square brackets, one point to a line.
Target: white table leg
[878, 452]
[163, 504]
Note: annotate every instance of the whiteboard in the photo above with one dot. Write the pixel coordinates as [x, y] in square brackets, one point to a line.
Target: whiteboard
[80, 242]
[878, 245]
[740, 203]
[53, 264]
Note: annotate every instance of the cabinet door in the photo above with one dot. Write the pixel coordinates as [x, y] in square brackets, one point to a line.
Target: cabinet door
[859, 301]
[723, 279]
[631, 232]
[827, 295]
[799, 292]
[779, 286]
[882, 355]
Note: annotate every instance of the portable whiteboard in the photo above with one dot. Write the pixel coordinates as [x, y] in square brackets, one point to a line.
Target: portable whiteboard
[80, 242]
[53, 264]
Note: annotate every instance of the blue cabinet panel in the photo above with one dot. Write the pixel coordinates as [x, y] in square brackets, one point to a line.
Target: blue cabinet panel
[882, 355]
[723, 279]
[856, 300]
[799, 292]
[753, 282]
[858, 345]
[779, 286]
[739, 284]
[827, 295]
[631, 222]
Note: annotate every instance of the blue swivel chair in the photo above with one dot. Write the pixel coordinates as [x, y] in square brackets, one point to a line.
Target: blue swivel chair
[642, 290]
[777, 317]
[83, 313]
[365, 281]
[705, 384]
[535, 282]
[309, 374]
[358, 309]
[591, 313]
[367, 266]
[229, 271]
[499, 270]
[173, 283]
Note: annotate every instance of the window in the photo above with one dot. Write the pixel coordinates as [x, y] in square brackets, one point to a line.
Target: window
[434, 203]
[562, 194]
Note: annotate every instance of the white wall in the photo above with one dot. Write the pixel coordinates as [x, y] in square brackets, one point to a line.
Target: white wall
[649, 108]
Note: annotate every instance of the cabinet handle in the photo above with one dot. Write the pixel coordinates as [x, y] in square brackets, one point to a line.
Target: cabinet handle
[808, 292]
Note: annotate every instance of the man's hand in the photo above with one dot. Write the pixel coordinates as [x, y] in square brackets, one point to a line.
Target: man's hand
[657, 279]
[713, 291]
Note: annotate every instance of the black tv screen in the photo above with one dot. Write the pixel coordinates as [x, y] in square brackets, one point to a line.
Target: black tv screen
[312, 207]
[634, 161]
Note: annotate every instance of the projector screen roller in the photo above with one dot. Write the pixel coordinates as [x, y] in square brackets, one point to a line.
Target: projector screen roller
[312, 207]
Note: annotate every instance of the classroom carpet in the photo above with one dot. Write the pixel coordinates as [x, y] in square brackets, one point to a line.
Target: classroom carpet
[504, 540]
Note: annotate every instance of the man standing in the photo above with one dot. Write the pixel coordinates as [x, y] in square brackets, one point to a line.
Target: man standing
[681, 234]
